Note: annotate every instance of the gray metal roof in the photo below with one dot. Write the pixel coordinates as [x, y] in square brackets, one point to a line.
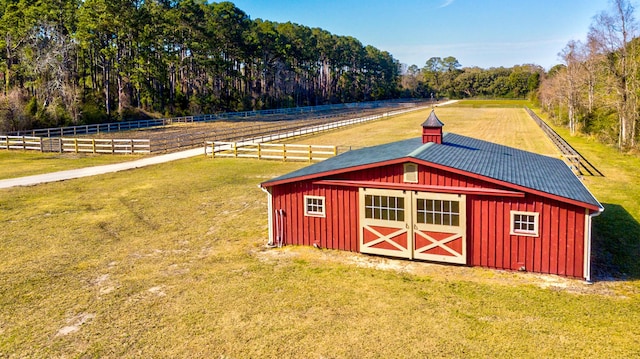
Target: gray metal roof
[432, 121]
[506, 164]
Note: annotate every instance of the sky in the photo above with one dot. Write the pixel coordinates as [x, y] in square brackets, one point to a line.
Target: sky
[483, 33]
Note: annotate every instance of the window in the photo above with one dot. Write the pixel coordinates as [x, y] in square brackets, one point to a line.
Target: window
[524, 223]
[386, 208]
[314, 206]
[436, 211]
[411, 173]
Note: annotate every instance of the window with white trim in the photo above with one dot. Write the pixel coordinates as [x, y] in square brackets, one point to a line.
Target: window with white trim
[524, 223]
[314, 206]
[410, 173]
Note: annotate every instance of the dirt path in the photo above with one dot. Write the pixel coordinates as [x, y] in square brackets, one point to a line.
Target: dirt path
[98, 170]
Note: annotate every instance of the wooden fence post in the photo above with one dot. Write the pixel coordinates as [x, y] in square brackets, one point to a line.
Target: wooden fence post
[93, 145]
[24, 144]
[259, 151]
[75, 140]
[284, 152]
[235, 149]
[310, 154]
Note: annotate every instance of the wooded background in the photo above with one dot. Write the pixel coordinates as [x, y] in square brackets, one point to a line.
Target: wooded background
[73, 62]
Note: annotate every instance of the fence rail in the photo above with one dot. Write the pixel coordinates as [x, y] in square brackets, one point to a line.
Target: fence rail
[75, 145]
[580, 165]
[277, 151]
[112, 146]
[20, 143]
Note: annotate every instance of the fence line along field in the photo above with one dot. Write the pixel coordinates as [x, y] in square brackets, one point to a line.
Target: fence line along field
[270, 151]
[172, 135]
[169, 261]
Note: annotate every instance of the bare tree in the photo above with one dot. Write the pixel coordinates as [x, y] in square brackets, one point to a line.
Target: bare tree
[51, 62]
[574, 80]
[611, 34]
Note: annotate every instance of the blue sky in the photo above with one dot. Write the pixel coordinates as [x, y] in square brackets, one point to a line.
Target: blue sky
[484, 33]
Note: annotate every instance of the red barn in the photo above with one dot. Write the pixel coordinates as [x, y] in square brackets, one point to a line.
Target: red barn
[443, 198]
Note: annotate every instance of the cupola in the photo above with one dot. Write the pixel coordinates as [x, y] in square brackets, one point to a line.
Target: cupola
[432, 129]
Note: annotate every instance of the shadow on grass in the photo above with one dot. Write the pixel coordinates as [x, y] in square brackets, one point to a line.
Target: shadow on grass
[615, 245]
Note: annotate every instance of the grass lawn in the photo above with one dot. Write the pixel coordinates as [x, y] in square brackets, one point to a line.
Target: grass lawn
[26, 163]
[168, 261]
[508, 126]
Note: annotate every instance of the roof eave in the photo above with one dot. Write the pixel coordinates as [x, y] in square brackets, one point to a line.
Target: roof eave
[405, 159]
[332, 172]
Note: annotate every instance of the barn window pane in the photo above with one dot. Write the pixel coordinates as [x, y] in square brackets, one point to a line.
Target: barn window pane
[524, 223]
[438, 212]
[314, 206]
[429, 218]
[386, 208]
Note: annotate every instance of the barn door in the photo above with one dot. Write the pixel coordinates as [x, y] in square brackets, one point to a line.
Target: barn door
[439, 227]
[384, 222]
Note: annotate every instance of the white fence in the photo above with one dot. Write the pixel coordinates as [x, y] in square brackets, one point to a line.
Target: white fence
[276, 151]
[112, 146]
[20, 143]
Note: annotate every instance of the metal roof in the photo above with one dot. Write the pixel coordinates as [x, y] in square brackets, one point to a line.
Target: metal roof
[432, 121]
[490, 160]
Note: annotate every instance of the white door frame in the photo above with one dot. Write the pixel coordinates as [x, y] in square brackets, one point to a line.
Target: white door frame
[402, 235]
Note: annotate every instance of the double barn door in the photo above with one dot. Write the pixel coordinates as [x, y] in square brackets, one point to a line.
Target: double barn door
[414, 225]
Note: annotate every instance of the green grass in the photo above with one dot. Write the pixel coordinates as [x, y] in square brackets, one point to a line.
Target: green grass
[501, 103]
[26, 163]
[168, 261]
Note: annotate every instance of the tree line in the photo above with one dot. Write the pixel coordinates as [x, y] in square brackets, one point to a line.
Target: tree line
[445, 77]
[596, 89]
[75, 62]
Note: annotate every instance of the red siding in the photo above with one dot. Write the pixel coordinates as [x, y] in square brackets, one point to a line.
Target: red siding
[559, 248]
[337, 230]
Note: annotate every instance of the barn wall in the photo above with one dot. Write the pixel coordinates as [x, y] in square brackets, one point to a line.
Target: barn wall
[338, 230]
[559, 249]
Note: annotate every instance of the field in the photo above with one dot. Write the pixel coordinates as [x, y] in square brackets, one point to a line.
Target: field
[19, 164]
[168, 261]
